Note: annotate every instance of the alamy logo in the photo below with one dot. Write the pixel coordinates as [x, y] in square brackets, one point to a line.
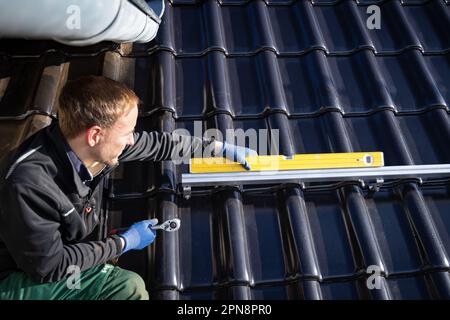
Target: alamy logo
[73, 281]
[74, 19]
[374, 280]
[374, 21]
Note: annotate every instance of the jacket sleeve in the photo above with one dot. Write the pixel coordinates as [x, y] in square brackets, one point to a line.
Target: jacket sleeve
[159, 146]
[30, 219]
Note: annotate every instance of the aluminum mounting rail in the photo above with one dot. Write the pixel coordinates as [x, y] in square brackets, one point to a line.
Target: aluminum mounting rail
[377, 174]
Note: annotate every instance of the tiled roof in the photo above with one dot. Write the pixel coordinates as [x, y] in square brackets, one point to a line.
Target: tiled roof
[315, 72]
[297, 27]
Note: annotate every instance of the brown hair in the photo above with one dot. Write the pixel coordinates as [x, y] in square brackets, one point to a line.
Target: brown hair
[92, 100]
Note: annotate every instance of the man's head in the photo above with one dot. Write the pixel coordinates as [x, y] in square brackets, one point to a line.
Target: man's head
[100, 114]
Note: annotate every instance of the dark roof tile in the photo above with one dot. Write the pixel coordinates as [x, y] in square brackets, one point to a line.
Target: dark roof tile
[299, 27]
[356, 84]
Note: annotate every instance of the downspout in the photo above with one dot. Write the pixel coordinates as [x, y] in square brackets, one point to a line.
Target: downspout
[81, 22]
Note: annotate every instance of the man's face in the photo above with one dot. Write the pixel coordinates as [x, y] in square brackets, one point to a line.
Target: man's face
[116, 138]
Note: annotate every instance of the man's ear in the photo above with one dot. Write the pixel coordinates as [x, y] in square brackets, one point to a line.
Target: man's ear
[93, 135]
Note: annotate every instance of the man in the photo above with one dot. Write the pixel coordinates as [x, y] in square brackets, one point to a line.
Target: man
[51, 191]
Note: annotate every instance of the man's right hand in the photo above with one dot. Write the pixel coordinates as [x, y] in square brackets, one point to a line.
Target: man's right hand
[139, 235]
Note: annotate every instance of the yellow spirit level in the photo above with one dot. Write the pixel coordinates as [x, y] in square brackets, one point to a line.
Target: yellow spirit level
[296, 162]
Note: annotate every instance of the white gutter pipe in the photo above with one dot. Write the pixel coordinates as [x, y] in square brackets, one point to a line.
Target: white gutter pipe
[81, 22]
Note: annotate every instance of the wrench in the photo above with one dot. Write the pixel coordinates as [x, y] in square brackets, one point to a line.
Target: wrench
[169, 225]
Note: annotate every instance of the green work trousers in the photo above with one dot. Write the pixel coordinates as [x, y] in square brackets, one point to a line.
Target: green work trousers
[104, 282]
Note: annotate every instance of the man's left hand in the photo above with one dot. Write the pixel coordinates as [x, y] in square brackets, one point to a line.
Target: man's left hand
[234, 153]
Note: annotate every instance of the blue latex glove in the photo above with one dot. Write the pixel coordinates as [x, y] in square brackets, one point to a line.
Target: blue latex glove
[237, 154]
[139, 235]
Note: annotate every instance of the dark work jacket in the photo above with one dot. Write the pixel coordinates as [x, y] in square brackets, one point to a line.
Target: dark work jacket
[49, 219]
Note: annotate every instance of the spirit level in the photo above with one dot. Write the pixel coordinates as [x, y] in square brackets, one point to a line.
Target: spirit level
[296, 162]
[366, 167]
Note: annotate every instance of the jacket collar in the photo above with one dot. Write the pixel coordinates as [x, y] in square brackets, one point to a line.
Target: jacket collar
[83, 172]
[56, 136]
